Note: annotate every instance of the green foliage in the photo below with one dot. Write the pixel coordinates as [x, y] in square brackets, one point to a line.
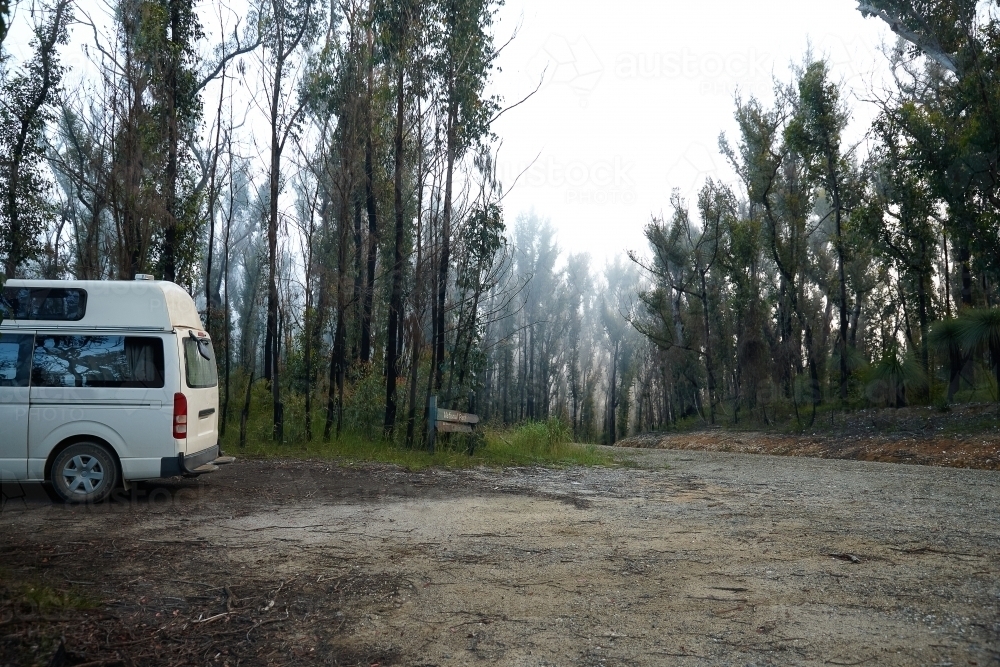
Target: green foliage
[536, 437]
[949, 112]
[980, 331]
[891, 376]
[815, 130]
[464, 59]
[533, 443]
[364, 402]
[945, 337]
[4, 19]
[33, 597]
[26, 109]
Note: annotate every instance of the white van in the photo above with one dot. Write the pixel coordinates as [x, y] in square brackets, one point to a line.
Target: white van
[103, 383]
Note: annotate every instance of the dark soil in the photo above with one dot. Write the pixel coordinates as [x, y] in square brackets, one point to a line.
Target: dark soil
[681, 558]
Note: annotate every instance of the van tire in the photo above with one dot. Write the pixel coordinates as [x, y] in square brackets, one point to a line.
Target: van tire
[84, 472]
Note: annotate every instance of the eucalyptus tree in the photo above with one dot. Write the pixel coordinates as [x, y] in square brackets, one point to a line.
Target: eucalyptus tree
[174, 90]
[291, 28]
[335, 105]
[900, 222]
[80, 159]
[26, 108]
[815, 132]
[775, 183]
[621, 285]
[464, 56]
[480, 270]
[4, 19]
[402, 44]
[948, 109]
[683, 259]
[579, 361]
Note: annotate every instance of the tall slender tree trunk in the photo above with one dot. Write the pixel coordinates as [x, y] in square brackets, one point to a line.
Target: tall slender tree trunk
[308, 322]
[170, 176]
[212, 200]
[442, 286]
[271, 340]
[396, 296]
[371, 208]
[842, 279]
[359, 279]
[434, 275]
[947, 274]
[417, 309]
[923, 318]
[226, 310]
[963, 257]
[708, 350]
[338, 359]
[613, 398]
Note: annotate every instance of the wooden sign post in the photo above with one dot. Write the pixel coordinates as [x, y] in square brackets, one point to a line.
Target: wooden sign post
[440, 420]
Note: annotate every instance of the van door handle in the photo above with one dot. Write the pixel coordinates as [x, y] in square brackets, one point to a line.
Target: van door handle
[206, 413]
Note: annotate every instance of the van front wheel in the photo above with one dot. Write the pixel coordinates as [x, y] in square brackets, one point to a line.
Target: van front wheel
[84, 473]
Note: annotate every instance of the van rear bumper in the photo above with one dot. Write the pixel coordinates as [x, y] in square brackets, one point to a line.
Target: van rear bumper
[186, 464]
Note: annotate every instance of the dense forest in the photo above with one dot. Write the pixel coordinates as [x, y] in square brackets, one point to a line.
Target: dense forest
[322, 177]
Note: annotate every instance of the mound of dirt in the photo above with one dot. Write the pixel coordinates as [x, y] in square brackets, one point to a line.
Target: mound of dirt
[965, 437]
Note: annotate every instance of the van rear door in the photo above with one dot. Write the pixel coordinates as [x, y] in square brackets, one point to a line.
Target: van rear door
[15, 371]
[201, 389]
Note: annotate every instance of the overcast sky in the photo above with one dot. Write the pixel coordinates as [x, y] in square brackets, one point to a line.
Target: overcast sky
[635, 94]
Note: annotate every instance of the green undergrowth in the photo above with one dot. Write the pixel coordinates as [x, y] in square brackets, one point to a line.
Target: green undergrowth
[957, 419]
[26, 597]
[534, 443]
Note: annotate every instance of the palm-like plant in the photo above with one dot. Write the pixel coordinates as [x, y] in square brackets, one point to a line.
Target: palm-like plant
[980, 330]
[890, 376]
[946, 337]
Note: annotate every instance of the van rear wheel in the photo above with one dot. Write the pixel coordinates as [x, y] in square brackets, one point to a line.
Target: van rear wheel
[84, 472]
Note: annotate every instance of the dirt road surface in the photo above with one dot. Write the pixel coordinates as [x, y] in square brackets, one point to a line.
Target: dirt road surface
[675, 558]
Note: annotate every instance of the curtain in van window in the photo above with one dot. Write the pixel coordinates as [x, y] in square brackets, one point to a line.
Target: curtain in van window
[142, 363]
[97, 361]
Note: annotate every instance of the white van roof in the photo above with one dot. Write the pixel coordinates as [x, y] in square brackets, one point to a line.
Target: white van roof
[147, 305]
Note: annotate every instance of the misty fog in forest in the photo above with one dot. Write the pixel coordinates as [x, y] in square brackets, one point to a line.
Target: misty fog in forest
[323, 178]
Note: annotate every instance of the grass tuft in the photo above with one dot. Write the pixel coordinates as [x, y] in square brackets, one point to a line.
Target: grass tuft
[534, 443]
[31, 597]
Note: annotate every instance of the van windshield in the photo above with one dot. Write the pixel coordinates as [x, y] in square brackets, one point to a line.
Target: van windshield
[199, 363]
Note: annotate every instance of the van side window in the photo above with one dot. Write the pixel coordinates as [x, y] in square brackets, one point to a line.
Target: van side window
[64, 304]
[15, 359]
[97, 361]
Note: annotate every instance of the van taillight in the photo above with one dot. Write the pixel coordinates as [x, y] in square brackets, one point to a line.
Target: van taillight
[180, 416]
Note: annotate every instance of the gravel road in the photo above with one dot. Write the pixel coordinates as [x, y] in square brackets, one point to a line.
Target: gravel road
[676, 557]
